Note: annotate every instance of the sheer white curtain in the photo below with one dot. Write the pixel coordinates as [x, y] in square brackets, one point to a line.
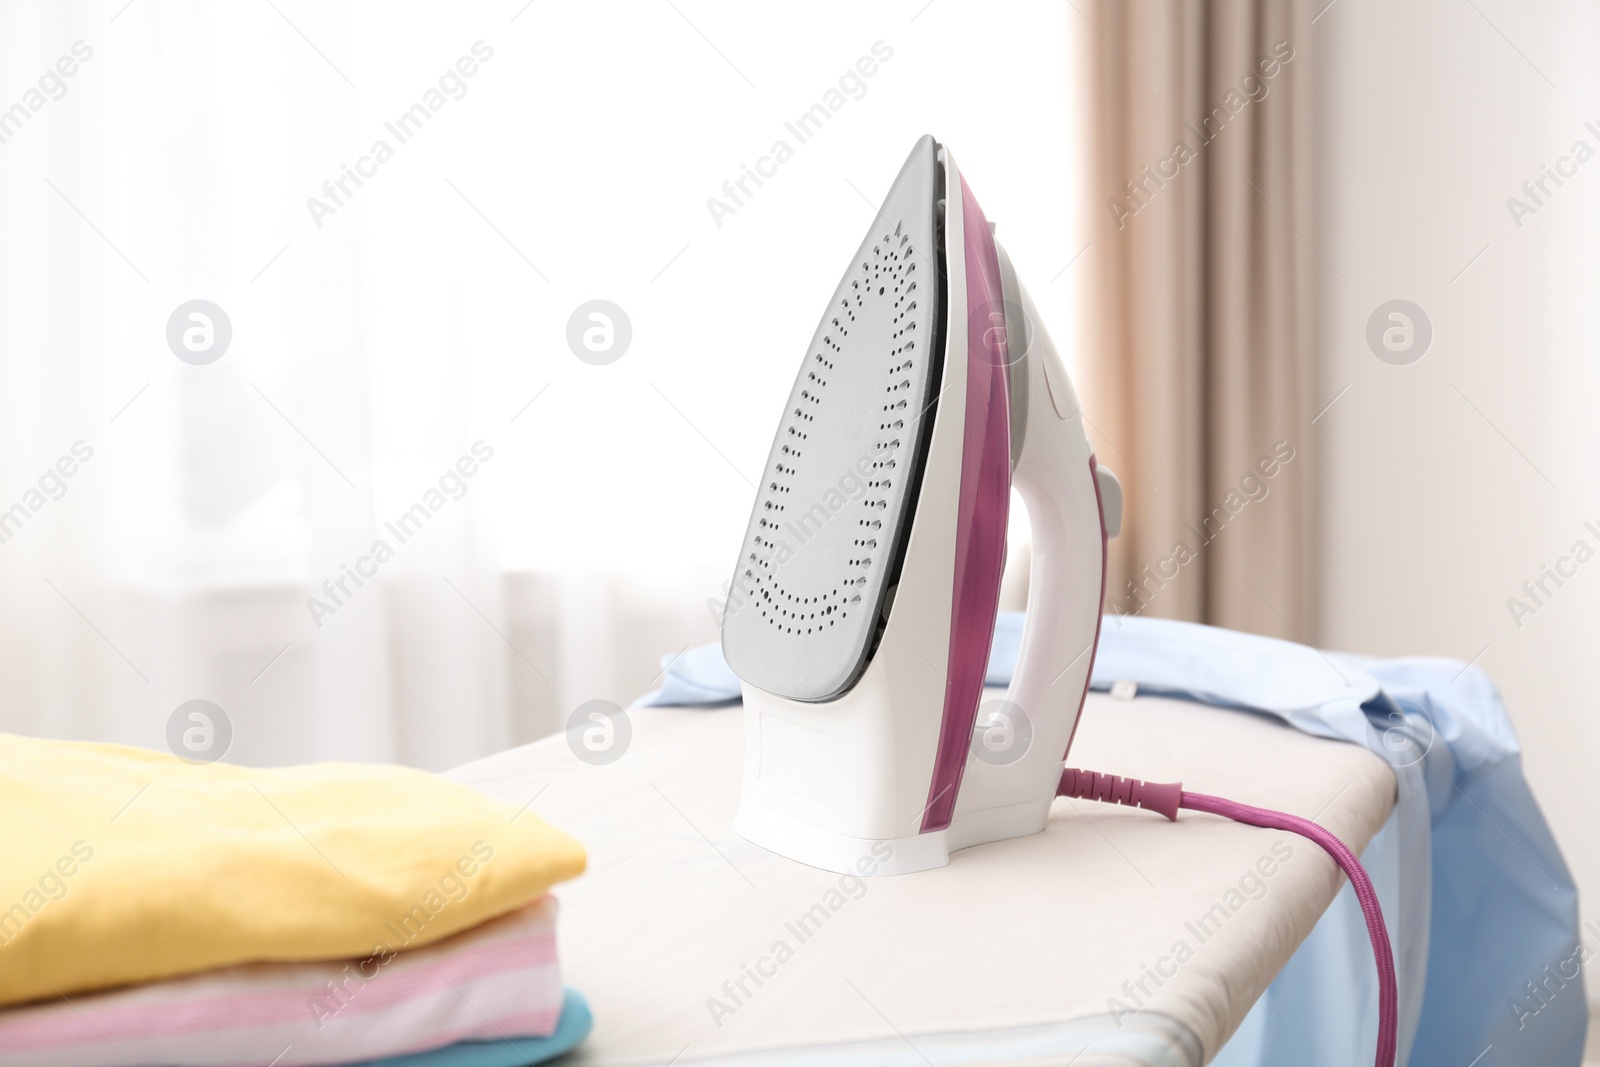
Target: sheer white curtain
[401, 343]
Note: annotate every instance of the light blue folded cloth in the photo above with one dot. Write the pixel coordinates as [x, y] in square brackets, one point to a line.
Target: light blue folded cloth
[1482, 912]
[573, 1026]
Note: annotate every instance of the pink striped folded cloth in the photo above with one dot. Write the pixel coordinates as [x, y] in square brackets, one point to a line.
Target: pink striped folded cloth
[496, 979]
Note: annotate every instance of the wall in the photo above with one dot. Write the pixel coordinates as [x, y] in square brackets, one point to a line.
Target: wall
[1450, 481]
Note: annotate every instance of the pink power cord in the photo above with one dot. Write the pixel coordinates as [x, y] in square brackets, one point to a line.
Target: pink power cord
[1167, 798]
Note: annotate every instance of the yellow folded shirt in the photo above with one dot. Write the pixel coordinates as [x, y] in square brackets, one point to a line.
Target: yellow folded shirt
[123, 865]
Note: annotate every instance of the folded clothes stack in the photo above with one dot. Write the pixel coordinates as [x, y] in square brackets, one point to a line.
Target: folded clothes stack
[155, 913]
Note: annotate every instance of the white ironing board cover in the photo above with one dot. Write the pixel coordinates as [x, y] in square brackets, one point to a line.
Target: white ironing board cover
[1021, 952]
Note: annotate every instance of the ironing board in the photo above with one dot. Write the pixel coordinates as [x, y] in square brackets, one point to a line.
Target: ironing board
[1113, 938]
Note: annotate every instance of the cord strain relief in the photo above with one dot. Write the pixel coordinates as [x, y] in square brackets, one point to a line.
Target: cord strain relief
[1161, 797]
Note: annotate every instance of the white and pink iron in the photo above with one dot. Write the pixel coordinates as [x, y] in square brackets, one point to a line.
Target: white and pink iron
[863, 605]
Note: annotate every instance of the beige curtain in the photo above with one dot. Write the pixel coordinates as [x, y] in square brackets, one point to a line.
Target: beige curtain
[1198, 320]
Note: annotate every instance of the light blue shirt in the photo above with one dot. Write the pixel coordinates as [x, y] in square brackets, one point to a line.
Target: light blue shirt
[514, 1051]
